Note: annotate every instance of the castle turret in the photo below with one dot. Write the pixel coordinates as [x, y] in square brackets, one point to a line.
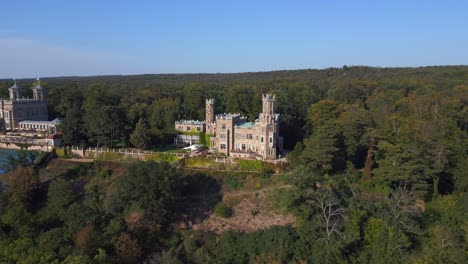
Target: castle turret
[210, 115]
[15, 91]
[268, 101]
[39, 92]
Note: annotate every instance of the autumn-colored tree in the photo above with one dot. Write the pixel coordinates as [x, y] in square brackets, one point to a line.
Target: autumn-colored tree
[87, 240]
[128, 249]
[22, 183]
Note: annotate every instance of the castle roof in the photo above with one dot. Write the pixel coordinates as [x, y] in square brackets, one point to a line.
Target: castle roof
[56, 121]
[190, 122]
[38, 87]
[227, 116]
[15, 87]
[245, 125]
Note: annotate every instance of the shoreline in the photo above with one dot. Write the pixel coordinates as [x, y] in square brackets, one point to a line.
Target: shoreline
[21, 146]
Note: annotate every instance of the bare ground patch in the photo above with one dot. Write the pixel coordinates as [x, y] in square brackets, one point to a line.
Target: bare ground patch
[252, 212]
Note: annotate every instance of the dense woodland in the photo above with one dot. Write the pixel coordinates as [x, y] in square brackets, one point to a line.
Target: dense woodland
[378, 169]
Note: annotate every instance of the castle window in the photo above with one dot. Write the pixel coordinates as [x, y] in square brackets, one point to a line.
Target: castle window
[180, 128]
[249, 136]
[270, 152]
[188, 128]
[198, 128]
[223, 126]
[223, 146]
[261, 139]
[271, 140]
[222, 136]
[240, 136]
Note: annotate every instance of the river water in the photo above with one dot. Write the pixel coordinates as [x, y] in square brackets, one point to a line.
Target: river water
[5, 154]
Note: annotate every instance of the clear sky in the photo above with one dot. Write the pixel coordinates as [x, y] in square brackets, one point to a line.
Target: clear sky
[60, 38]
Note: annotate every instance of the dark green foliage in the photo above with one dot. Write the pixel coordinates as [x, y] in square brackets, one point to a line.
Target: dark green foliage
[72, 127]
[233, 182]
[140, 138]
[151, 188]
[272, 245]
[223, 210]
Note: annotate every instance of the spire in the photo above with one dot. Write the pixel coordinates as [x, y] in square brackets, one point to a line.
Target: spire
[14, 80]
[38, 81]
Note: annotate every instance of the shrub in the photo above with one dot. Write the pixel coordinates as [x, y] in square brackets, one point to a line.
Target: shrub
[197, 162]
[254, 212]
[255, 165]
[111, 156]
[258, 185]
[221, 209]
[232, 182]
[161, 157]
[63, 153]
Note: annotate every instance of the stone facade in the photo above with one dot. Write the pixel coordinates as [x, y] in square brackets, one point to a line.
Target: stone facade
[233, 135]
[17, 108]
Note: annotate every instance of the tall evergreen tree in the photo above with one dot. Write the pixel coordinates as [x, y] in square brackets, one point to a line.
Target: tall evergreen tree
[140, 137]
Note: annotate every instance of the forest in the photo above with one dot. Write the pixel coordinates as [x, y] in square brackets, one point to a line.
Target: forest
[378, 161]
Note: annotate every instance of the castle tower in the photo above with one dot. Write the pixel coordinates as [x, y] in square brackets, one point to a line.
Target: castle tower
[15, 91]
[210, 115]
[39, 92]
[268, 101]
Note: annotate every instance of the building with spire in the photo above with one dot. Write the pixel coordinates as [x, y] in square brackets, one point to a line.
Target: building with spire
[21, 113]
[233, 135]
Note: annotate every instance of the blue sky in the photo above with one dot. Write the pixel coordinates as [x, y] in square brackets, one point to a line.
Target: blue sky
[61, 38]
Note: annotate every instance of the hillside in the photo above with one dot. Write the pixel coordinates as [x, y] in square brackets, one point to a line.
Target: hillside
[376, 172]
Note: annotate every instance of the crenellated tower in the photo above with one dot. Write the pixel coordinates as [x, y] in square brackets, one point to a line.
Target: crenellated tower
[210, 115]
[268, 101]
[210, 121]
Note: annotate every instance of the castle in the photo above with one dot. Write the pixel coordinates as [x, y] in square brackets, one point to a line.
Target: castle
[233, 135]
[19, 113]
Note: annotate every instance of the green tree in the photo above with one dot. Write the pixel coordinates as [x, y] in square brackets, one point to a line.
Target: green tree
[59, 197]
[149, 195]
[322, 150]
[104, 118]
[140, 137]
[73, 128]
[384, 243]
